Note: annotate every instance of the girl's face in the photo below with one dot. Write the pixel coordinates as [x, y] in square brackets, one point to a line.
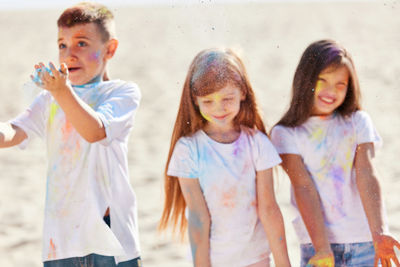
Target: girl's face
[330, 90]
[222, 106]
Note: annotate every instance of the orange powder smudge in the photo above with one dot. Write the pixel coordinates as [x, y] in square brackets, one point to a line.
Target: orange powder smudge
[228, 198]
[52, 250]
[66, 130]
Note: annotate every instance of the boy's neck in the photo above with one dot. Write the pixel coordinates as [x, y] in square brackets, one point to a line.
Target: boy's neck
[95, 80]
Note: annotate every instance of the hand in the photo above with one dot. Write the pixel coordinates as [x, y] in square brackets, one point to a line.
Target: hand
[322, 259]
[384, 250]
[53, 80]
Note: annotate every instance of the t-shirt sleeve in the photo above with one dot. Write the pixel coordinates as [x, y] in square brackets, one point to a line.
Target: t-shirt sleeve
[117, 112]
[183, 161]
[284, 140]
[365, 130]
[267, 156]
[33, 120]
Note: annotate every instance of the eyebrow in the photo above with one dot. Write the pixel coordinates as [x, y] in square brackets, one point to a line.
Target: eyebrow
[76, 37]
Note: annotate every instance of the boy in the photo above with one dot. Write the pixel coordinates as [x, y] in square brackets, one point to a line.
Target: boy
[90, 214]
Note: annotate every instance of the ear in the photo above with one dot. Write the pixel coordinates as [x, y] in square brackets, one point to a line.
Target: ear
[111, 47]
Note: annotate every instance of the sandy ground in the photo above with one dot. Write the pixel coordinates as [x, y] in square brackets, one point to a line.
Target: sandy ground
[156, 47]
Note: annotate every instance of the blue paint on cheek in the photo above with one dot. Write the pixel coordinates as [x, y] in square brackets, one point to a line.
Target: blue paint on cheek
[95, 56]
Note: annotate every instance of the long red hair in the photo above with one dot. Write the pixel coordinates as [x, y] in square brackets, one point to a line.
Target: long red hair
[210, 71]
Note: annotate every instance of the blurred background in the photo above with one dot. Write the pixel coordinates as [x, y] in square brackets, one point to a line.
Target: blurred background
[158, 40]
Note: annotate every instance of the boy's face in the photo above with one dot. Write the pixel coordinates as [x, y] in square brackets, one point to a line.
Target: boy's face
[81, 48]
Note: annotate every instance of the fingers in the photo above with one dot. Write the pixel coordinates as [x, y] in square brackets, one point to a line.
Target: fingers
[396, 261]
[396, 243]
[53, 70]
[64, 68]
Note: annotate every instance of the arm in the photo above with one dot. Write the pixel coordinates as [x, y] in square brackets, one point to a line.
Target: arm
[371, 198]
[199, 221]
[271, 217]
[11, 135]
[309, 204]
[84, 119]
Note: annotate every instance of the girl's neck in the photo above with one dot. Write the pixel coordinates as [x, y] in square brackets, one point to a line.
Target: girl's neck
[222, 135]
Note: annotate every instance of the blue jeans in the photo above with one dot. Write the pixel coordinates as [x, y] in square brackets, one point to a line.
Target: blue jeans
[346, 255]
[92, 260]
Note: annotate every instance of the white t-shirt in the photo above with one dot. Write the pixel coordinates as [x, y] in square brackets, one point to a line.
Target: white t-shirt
[327, 146]
[227, 176]
[83, 179]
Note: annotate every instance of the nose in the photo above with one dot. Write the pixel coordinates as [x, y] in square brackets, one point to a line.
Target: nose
[220, 106]
[69, 55]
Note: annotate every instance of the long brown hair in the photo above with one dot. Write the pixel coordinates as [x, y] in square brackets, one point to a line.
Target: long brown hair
[319, 56]
[210, 71]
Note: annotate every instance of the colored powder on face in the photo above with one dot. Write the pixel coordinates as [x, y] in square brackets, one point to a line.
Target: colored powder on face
[208, 118]
[95, 56]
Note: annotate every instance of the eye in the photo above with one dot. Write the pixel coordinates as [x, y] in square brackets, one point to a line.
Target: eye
[341, 86]
[82, 44]
[61, 46]
[207, 102]
[228, 99]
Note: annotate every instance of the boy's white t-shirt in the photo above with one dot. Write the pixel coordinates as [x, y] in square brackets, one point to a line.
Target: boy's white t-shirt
[83, 179]
[327, 146]
[227, 176]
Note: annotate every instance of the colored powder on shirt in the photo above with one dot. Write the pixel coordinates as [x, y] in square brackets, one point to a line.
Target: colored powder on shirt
[52, 250]
[53, 111]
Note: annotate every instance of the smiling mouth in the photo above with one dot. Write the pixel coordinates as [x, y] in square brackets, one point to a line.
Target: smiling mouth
[327, 100]
[220, 117]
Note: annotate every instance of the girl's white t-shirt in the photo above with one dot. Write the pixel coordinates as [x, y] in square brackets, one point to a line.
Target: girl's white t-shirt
[83, 179]
[327, 146]
[227, 176]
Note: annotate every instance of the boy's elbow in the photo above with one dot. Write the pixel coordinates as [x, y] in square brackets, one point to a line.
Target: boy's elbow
[95, 137]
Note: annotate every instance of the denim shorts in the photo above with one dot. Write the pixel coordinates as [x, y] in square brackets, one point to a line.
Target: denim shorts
[346, 255]
[92, 260]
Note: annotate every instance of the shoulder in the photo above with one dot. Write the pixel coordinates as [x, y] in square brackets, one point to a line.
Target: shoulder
[189, 140]
[256, 137]
[279, 131]
[360, 115]
[121, 88]
[187, 147]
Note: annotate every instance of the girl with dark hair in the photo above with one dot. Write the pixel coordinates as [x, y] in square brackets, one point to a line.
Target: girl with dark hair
[327, 144]
[219, 169]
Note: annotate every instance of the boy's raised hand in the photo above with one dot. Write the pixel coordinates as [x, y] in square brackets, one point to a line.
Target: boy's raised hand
[53, 80]
[384, 250]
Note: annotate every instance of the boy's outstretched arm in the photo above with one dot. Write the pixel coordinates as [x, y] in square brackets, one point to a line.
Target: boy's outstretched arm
[309, 204]
[11, 135]
[371, 198]
[271, 217]
[198, 222]
[84, 119]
